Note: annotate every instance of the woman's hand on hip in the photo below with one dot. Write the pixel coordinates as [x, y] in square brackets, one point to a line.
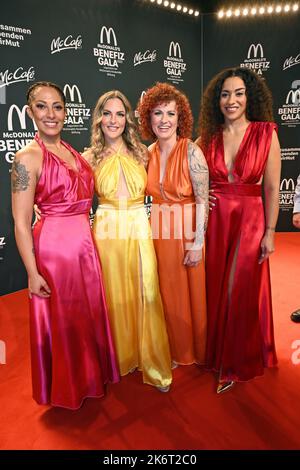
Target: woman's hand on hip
[211, 199]
[37, 214]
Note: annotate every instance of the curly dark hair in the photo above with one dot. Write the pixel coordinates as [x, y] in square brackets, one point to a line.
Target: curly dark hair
[259, 102]
[32, 88]
[164, 93]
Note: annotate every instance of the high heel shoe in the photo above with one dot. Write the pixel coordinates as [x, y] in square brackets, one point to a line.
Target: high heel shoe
[224, 386]
[163, 389]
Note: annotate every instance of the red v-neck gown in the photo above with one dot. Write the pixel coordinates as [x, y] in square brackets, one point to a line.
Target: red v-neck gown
[182, 287]
[240, 340]
[72, 351]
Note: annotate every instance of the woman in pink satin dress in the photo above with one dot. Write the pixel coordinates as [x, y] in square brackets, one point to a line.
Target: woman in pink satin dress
[72, 353]
[241, 146]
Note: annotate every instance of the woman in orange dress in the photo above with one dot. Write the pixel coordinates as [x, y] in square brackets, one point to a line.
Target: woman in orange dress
[178, 184]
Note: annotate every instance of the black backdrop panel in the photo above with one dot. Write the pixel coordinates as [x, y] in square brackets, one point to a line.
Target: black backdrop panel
[88, 47]
[271, 47]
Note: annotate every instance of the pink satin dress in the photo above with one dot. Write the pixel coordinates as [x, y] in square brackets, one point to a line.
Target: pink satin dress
[240, 341]
[72, 350]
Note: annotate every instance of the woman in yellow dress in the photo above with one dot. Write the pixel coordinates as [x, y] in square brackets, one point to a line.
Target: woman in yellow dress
[123, 236]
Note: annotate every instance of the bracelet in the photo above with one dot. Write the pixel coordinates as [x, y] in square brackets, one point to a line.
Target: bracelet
[270, 228]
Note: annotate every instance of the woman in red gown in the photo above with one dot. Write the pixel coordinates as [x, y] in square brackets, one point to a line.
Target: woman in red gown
[241, 146]
[72, 352]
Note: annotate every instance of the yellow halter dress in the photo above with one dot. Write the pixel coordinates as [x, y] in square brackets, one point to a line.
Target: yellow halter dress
[123, 236]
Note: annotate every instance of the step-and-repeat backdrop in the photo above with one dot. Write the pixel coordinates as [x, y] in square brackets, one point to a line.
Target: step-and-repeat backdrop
[92, 46]
[87, 47]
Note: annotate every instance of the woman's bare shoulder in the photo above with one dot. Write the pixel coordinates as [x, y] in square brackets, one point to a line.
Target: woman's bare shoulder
[151, 147]
[30, 154]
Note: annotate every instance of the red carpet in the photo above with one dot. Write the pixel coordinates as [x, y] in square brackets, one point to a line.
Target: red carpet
[261, 414]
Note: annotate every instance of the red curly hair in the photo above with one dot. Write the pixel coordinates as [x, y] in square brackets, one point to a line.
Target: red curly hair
[164, 93]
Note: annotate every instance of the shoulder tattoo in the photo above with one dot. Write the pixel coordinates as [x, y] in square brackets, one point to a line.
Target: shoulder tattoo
[195, 161]
[20, 177]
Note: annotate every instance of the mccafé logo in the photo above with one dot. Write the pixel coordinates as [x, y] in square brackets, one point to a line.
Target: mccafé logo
[58, 44]
[70, 90]
[291, 61]
[21, 114]
[141, 57]
[108, 34]
[19, 75]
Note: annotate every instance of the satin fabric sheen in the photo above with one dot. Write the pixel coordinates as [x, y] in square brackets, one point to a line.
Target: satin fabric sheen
[182, 288]
[240, 339]
[71, 344]
[130, 272]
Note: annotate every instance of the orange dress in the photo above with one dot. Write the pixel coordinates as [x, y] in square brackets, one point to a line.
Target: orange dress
[173, 217]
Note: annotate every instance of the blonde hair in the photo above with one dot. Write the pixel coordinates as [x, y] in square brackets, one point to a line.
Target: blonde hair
[130, 134]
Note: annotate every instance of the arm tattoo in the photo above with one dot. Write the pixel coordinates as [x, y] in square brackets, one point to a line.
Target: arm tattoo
[200, 181]
[19, 177]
